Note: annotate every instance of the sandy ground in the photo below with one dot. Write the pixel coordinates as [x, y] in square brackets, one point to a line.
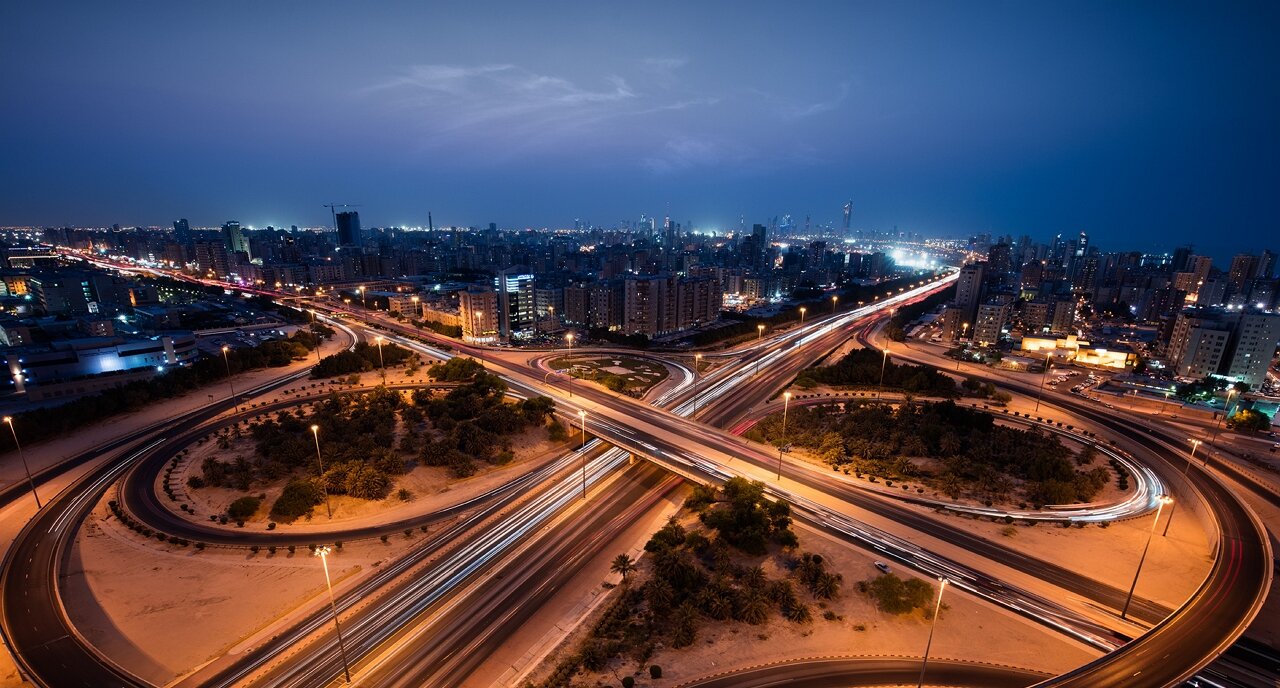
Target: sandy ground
[195, 605]
[432, 487]
[863, 630]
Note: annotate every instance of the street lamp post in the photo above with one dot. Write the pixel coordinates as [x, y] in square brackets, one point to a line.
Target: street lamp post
[381, 363]
[802, 310]
[1226, 411]
[324, 487]
[937, 607]
[834, 301]
[227, 362]
[582, 415]
[23, 455]
[1164, 499]
[759, 332]
[697, 373]
[1043, 378]
[364, 300]
[884, 360]
[786, 401]
[323, 553]
[569, 338]
[313, 331]
[1195, 444]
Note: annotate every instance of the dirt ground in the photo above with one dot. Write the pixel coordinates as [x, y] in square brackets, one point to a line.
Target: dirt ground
[860, 629]
[161, 610]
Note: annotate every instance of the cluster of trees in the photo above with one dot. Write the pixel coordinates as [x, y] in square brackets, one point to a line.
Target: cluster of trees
[456, 369]
[896, 595]
[474, 419]
[54, 421]
[1249, 419]
[861, 367]
[364, 358]
[743, 517]
[357, 434]
[978, 456]
[695, 577]
[454, 331]
[1207, 388]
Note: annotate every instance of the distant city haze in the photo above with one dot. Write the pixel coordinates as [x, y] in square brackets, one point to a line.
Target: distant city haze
[1147, 125]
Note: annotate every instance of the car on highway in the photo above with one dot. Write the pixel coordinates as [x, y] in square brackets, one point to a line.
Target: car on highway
[884, 568]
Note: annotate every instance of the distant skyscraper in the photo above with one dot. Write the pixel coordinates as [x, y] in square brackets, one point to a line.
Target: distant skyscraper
[182, 231]
[233, 238]
[348, 228]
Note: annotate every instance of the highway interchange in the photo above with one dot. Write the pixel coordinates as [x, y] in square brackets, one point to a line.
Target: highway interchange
[1173, 650]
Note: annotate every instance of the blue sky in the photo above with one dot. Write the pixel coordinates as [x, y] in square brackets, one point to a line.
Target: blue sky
[1144, 124]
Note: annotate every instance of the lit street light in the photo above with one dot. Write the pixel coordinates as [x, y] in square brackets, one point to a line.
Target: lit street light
[759, 332]
[834, 300]
[363, 299]
[569, 338]
[227, 362]
[1164, 499]
[1186, 470]
[697, 369]
[582, 415]
[315, 432]
[937, 607]
[313, 326]
[23, 455]
[802, 310]
[323, 553]
[1226, 411]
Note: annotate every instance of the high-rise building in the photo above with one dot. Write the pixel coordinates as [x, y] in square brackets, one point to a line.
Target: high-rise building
[348, 223]
[212, 259]
[182, 231]
[988, 327]
[1244, 268]
[1253, 346]
[970, 287]
[233, 238]
[478, 311]
[1238, 346]
[516, 301]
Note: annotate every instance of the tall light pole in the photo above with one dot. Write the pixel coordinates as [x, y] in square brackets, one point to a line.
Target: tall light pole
[313, 331]
[227, 362]
[23, 455]
[323, 553]
[1043, 379]
[1225, 412]
[802, 310]
[1164, 499]
[759, 332]
[364, 301]
[697, 373]
[569, 338]
[1166, 403]
[937, 607]
[381, 363]
[315, 432]
[834, 301]
[786, 400]
[884, 359]
[1195, 444]
[582, 415]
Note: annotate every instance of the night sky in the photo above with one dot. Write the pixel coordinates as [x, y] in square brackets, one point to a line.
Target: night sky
[1144, 124]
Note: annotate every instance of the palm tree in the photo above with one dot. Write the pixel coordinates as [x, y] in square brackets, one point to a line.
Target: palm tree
[623, 564]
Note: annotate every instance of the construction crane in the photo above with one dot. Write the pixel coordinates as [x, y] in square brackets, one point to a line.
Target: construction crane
[334, 213]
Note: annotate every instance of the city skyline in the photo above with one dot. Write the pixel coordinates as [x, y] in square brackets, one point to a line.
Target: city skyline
[947, 121]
